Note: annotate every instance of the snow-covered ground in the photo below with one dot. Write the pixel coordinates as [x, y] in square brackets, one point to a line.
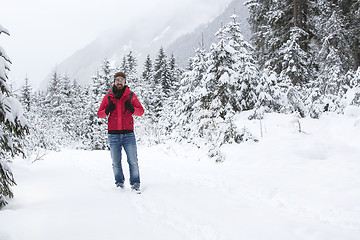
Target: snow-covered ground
[287, 186]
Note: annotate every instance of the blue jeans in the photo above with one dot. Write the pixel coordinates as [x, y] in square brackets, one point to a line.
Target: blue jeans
[128, 141]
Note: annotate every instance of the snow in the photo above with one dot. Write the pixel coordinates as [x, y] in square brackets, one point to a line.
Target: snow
[289, 185]
[13, 111]
[3, 30]
[4, 55]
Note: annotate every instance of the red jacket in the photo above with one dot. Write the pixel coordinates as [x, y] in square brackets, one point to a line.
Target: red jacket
[119, 119]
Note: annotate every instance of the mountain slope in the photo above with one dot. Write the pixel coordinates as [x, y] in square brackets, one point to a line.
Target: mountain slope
[143, 35]
[184, 47]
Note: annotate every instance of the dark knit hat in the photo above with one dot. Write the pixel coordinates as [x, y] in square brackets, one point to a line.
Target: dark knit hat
[120, 74]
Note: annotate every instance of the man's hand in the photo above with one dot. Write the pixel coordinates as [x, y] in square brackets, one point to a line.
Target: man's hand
[110, 107]
[129, 106]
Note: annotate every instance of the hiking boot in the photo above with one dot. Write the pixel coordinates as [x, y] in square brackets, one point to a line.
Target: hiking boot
[136, 188]
[120, 185]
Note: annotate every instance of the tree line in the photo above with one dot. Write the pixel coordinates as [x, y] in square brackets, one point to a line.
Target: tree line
[198, 104]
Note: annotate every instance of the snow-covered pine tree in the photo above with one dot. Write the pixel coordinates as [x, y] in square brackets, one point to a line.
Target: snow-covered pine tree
[124, 65]
[190, 92]
[329, 34]
[131, 63]
[132, 78]
[107, 75]
[270, 98]
[161, 79]
[150, 99]
[355, 32]
[78, 112]
[26, 95]
[39, 138]
[53, 98]
[352, 92]
[159, 65]
[163, 74]
[147, 78]
[170, 86]
[271, 23]
[221, 81]
[51, 112]
[67, 119]
[245, 64]
[13, 127]
[260, 27]
[192, 78]
[314, 102]
[335, 56]
[86, 127]
[295, 61]
[102, 82]
[175, 75]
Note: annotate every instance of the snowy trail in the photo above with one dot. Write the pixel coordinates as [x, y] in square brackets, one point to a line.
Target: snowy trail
[307, 189]
[72, 198]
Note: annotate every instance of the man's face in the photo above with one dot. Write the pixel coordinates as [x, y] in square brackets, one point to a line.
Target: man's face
[119, 82]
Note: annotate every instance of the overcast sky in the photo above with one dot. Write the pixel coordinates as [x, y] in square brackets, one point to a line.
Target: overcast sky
[45, 32]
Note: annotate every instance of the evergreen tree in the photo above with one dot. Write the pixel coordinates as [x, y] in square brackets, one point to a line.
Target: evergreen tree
[26, 96]
[245, 64]
[52, 111]
[351, 11]
[192, 78]
[270, 22]
[352, 91]
[162, 74]
[295, 61]
[132, 78]
[221, 78]
[78, 114]
[151, 94]
[102, 82]
[221, 97]
[335, 56]
[161, 81]
[87, 129]
[270, 97]
[106, 73]
[260, 27]
[131, 63]
[175, 75]
[301, 39]
[148, 68]
[190, 93]
[53, 99]
[124, 66]
[280, 29]
[13, 127]
[67, 119]
[160, 64]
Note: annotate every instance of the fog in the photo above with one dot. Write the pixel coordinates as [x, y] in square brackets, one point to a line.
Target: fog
[44, 33]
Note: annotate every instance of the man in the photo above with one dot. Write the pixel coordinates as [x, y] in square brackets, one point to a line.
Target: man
[120, 104]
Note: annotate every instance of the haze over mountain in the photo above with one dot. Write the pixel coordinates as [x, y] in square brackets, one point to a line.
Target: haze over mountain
[184, 46]
[179, 34]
